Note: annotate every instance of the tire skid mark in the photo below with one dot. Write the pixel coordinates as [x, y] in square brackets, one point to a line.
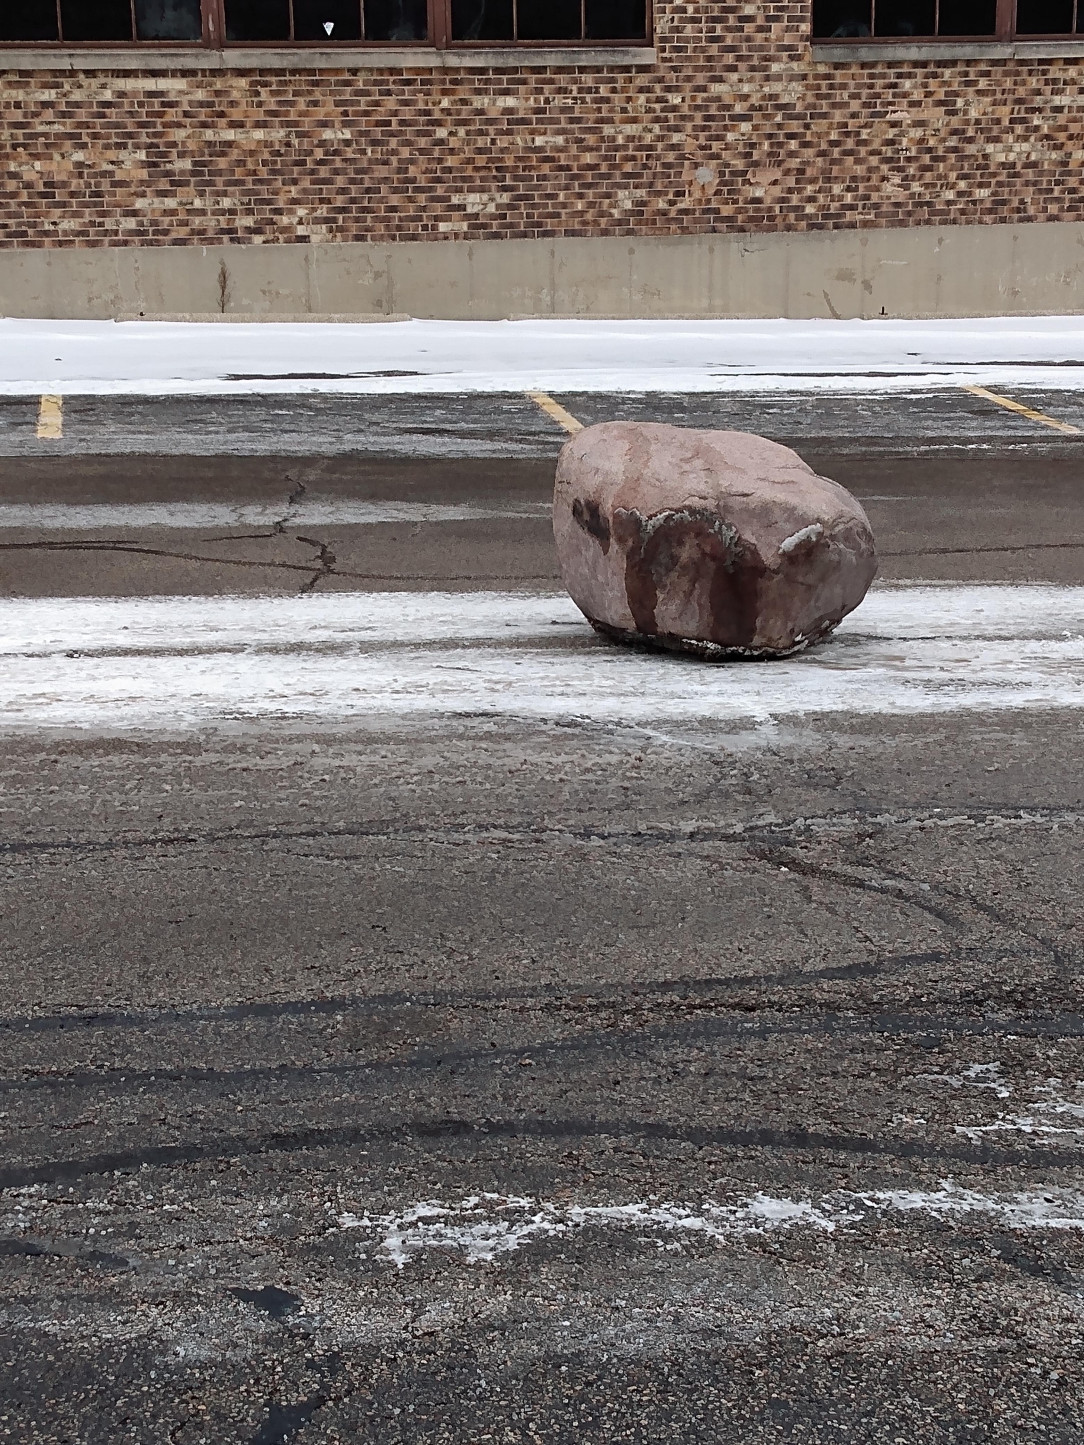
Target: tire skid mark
[574, 996]
[825, 873]
[444, 1130]
[927, 1030]
[641, 837]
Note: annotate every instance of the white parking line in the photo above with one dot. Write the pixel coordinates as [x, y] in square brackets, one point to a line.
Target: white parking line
[176, 663]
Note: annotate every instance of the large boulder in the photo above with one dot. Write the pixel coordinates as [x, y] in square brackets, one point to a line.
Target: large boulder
[719, 543]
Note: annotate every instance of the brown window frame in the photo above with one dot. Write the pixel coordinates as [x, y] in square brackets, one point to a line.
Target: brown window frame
[1005, 29]
[439, 37]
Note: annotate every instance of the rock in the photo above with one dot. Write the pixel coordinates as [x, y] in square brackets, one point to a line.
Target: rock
[719, 543]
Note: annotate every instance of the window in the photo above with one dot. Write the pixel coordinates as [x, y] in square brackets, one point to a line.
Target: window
[322, 22]
[542, 20]
[78, 21]
[929, 19]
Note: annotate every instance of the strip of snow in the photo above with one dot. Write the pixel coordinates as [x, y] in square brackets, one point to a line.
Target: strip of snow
[484, 1227]
[975, 1076]
[590, 683]
[1048, 1116]
[434, 357]
[346, 619]
[222, 516]
[113, 663]
[1054, 1110]
[941, 612]
[1053, 1208]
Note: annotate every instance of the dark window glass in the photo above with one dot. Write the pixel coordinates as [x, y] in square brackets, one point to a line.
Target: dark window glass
[96, 19]
[906, 17]
[28, 20]
[482, 20]
[168, 20]
[841, 19]
[257, 19]
[1044, 17]
[549, 20]
[616, 20]
[399, 20]
[327, 20]
[968, 17]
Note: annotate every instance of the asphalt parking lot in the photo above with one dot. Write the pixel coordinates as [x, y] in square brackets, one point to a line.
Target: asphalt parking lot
[255, 494]
[501, 1072]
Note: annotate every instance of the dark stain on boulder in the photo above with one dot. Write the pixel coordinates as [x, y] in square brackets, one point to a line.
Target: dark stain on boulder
[734, 597]
[590, 518]
[674, 549]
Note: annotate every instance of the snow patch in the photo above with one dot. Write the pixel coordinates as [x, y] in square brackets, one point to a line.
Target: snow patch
[977, 1076]
[807, 534]
[1055, 1109]
[1038, 1209]
[113, 662]
[485, 1227]
[449, 357]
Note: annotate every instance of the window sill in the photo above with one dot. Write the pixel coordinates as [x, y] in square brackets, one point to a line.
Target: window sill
[421, 57]
[850, 51]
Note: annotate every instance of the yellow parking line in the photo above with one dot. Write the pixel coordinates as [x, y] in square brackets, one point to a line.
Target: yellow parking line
[555, 410]
[1022, 410]
[51, 418]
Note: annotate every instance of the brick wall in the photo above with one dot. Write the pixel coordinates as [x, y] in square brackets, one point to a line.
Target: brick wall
[734, 130]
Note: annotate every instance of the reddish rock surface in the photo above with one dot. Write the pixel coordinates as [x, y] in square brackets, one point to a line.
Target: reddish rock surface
[715, 542]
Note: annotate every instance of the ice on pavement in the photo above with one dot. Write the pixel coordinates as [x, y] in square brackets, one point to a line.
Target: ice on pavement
[434, 357]
[183, 662]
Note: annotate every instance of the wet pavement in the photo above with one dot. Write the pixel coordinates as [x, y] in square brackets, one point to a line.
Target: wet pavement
[472, 1076]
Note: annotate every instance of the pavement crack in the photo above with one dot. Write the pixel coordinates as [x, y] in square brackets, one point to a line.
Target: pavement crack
[137, 550]
[293, 501]
[325, 558]
[431, 579]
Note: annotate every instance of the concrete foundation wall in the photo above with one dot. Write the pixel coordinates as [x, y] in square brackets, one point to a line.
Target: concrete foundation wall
[915, 271]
